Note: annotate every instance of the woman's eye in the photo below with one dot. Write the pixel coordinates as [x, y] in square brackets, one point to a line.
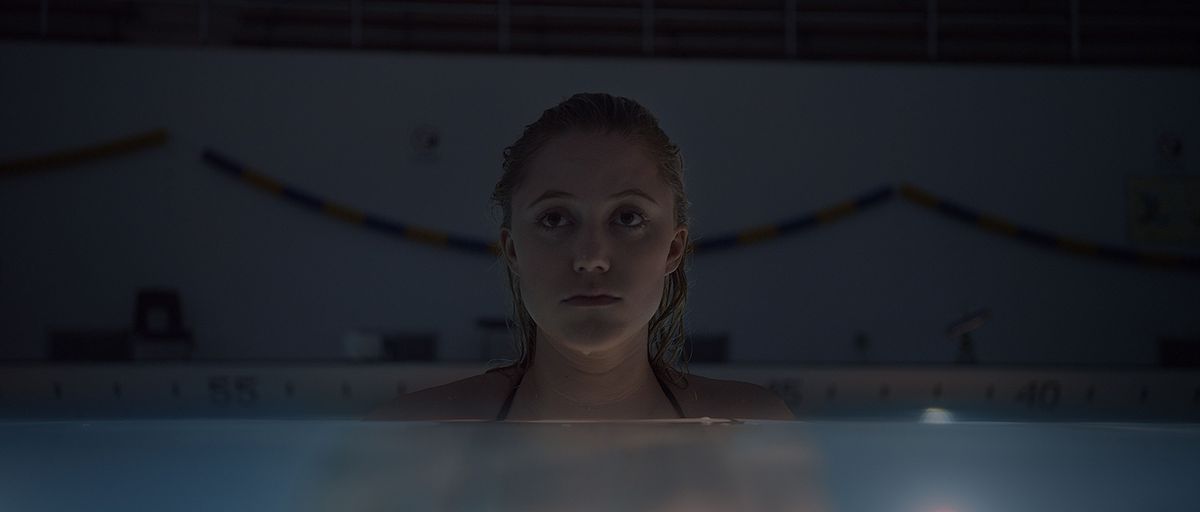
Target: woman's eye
[625, 219]
[552, 216]
[632, 216]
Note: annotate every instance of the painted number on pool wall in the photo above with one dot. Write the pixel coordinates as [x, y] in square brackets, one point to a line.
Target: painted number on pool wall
[244, 390]
[1043, 394]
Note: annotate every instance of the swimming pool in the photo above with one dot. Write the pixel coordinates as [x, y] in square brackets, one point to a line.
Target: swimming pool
[201, 436]
[326, 465]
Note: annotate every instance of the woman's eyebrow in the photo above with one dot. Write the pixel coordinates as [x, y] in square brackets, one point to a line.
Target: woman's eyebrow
[550, 194]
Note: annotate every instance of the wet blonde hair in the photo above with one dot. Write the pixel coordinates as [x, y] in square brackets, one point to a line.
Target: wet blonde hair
[605, 114]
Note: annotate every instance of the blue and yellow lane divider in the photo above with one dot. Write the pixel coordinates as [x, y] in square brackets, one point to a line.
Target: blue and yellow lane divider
[826, 215]
[123, 145]
[1042, 238]
[343, 212]
[750, 236]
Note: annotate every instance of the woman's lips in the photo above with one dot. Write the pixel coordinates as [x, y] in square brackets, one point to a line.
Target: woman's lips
[591, 301]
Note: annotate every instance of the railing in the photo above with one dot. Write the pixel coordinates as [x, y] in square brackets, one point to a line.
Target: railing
[1067, 31]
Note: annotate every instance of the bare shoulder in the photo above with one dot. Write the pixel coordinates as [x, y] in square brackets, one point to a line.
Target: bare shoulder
[720, 398]
[476, 397]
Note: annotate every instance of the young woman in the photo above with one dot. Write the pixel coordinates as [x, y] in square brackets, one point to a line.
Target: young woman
[595, 244]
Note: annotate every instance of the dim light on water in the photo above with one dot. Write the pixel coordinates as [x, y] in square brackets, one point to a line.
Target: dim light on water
[939, 416]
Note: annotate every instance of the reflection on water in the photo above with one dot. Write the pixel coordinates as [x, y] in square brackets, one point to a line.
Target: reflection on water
[846, 466]
[636, 465]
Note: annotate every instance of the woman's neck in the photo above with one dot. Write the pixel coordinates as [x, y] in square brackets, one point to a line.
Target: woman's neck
[619, 383]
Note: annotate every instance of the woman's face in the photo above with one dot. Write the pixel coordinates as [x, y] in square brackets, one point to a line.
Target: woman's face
[576, 229]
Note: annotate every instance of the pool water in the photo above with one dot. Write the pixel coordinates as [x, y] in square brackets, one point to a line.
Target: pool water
[324, 465]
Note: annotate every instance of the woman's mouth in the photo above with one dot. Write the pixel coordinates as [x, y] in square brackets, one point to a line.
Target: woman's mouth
[602, 300]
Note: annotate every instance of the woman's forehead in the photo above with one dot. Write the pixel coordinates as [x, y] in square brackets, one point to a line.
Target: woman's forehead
[592, 167]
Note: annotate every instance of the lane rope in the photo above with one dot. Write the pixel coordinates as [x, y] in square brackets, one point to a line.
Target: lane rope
[121, 146]
[758, 234]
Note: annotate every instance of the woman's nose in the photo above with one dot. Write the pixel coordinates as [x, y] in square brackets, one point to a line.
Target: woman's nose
[591, 251]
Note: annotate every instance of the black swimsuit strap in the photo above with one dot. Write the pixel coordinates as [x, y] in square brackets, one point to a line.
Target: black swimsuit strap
[512, 394]
[670, 396]
[508, 401]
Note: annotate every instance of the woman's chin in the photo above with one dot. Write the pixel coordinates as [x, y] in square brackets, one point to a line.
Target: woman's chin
[591, 344]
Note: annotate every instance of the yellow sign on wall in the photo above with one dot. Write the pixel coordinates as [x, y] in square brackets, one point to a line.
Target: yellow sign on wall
[1165, 209]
